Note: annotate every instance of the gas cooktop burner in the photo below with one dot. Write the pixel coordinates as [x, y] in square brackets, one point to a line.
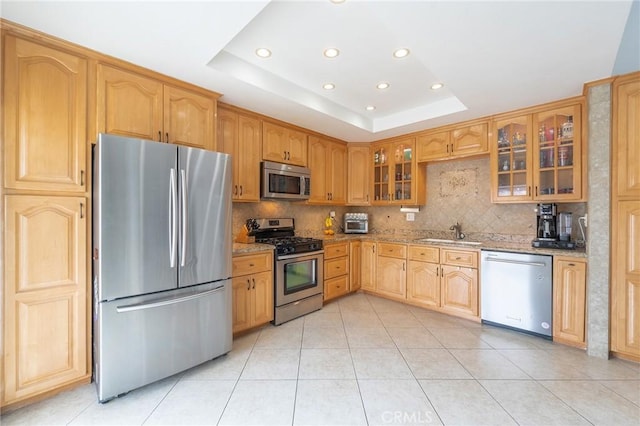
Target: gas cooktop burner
[281, 234]
[292, 245]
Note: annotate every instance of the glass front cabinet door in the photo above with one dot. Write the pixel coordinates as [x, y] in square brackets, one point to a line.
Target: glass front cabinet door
[557, 154]
[393, 172]
[510, 146]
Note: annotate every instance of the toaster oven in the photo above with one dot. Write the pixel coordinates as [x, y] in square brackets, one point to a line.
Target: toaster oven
[356, 223]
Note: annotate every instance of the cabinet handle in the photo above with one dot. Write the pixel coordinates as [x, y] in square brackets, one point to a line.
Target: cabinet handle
[248, 284]
[403, 266]
[458, 258]
[373, 248]
[536, 190]
[447, 148]
[159, 136]
[284, 155]
[529, 190]
[254, 283]
[288, 155]
[167, 137]
[572, 264]
[367, 198]
[235, 189]
[241, 190]
[81, 177]
[81, 210]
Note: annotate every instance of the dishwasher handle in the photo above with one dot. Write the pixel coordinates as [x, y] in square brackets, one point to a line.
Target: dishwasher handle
[515, 262]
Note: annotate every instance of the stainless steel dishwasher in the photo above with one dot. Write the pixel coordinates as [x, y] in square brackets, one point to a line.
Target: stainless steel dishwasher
[516, 290]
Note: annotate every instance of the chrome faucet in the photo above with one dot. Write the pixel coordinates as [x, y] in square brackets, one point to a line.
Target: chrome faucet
[458, 228]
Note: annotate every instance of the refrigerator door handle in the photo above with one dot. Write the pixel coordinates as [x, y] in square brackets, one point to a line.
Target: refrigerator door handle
[183, 202]
[173, 229]
[165, 302]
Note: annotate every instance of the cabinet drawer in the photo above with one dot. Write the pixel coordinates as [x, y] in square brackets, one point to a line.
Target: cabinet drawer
[336, 287]
[252, 263]
[424, 254]
[336, 250]
[336, 267]
[392, 250]
[459, 258]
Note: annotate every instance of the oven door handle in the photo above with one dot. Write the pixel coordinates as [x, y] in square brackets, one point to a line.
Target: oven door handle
[300, 255]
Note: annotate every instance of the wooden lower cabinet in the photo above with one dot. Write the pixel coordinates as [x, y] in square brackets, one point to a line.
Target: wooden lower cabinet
[443, 279]
[625, 291]
[336, 269]
[368, 266]
[46, 306]
[252, 290]
[355, 265]
[459, 291]
[391, 270]
[569, 301]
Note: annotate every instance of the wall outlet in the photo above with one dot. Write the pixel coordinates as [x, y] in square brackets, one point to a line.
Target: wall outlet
[332, 214]
[411, 217]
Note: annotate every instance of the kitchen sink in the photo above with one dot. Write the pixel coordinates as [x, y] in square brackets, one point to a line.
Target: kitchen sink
[445, 241]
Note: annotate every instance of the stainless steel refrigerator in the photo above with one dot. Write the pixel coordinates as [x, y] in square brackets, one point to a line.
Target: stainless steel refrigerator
[162, 251]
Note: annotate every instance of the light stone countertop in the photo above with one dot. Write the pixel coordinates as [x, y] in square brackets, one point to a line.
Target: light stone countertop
[486, 245]
[241, 248]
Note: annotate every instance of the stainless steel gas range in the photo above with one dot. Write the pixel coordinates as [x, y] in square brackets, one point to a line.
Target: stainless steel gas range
[298, 268]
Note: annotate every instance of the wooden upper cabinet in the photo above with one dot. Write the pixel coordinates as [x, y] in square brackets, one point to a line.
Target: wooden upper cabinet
[470, 140]
[133, 105]
[328, 164]
[433, 146]
[189, 118]
[128, 104]
[45, 120]
[626, 134]
[359, 175]
[457, 143]
[241, 136]
[283, 144]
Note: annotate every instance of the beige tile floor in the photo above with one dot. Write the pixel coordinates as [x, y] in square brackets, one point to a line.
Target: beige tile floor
[365, 360]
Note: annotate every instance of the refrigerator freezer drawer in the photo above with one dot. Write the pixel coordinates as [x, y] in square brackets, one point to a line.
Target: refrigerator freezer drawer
[143, 339]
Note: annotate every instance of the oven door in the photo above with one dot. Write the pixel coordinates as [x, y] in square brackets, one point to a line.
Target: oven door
[299, 276]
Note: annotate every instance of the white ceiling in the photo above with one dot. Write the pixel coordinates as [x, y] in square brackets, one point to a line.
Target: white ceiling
[491, 56]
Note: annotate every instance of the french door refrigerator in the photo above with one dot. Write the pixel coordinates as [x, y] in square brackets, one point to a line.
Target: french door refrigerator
[162, 261]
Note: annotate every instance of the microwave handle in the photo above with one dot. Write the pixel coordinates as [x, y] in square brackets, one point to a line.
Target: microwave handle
[303, 184]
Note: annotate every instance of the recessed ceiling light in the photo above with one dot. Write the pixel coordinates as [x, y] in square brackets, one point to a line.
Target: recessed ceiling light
[436, 86]
[337, 1]
[331, 52]
[328, 86]
[370, 108]
[263, 52]
[383, 85]
[401, 53]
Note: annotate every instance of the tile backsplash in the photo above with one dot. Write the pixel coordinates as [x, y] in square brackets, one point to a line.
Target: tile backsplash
[457, 191]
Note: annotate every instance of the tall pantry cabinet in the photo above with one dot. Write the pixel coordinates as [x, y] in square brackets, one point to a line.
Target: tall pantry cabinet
[625, 214]
[46, 305]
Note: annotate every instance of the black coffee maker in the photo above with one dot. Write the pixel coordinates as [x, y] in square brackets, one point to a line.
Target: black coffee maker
[547, 222]
[547, 229]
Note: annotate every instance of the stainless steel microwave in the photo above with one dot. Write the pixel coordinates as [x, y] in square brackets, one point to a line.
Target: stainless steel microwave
[284, 181]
